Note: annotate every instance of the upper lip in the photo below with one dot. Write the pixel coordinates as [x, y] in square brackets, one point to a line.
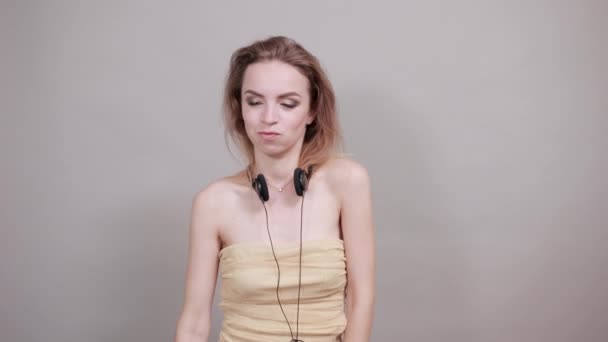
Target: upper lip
[268, 132]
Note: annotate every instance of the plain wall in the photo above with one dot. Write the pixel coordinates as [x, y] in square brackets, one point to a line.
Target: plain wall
[482, 124]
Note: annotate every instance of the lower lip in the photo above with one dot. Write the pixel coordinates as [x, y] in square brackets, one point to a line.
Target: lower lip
[269, 136]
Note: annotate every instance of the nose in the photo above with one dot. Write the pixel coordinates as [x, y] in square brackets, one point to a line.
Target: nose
[270, 115]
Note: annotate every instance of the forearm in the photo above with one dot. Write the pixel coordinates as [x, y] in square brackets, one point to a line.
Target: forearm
[184, 336]
[359, 326]
[192, 330]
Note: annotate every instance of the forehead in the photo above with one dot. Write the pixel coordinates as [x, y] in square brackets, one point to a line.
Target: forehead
[273, 78]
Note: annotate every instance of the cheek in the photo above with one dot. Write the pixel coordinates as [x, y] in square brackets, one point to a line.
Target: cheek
[248, 119]
[298, 120]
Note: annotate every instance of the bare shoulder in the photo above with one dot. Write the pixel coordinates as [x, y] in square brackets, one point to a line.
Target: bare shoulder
[215, 199]
[346, 173]
[209, 197]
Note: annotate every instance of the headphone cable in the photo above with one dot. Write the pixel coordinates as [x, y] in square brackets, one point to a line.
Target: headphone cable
[279, 273]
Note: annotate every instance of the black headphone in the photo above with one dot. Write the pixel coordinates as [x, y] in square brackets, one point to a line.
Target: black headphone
[300, 182]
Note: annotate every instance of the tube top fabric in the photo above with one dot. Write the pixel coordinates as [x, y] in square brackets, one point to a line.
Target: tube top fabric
[249, 283]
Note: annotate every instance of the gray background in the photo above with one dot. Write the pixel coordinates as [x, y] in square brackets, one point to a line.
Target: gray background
[482, 123]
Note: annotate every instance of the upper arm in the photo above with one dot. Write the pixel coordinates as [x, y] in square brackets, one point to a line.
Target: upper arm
[358, 230]
[202, 265]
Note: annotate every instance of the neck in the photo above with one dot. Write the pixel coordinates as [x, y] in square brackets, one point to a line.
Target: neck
[277, 171]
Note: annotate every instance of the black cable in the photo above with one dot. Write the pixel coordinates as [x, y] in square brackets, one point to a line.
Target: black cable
[300, 272]
[279, 274]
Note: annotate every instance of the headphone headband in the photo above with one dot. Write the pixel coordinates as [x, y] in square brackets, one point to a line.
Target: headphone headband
[300, 182]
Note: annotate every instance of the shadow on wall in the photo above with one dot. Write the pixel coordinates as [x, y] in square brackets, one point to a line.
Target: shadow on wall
[421, 260]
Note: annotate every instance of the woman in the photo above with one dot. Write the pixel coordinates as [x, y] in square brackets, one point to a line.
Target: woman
[292, 234]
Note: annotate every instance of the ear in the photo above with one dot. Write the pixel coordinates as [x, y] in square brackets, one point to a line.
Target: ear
[310, 118]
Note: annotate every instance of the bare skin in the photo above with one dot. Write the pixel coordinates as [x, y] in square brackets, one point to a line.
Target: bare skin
[228, 211]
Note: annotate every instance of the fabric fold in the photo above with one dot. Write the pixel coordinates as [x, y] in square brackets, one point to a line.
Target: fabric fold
[249, 280]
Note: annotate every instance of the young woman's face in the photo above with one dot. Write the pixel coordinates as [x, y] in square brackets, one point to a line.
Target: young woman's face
[276, 106]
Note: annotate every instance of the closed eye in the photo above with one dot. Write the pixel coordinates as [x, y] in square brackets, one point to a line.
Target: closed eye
[286, 105]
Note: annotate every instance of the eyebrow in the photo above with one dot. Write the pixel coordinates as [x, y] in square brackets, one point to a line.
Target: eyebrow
[291, 93]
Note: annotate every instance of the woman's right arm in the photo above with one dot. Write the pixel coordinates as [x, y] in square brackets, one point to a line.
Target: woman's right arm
[201, 273]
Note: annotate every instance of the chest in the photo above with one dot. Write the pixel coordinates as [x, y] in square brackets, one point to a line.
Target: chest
[317, 213]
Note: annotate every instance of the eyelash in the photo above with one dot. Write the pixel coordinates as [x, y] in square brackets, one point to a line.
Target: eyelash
[290, 106]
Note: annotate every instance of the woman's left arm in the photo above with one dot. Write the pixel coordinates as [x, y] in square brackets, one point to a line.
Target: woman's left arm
[359, 244]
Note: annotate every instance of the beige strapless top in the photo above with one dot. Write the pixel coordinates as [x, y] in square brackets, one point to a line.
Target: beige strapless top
[248, 291]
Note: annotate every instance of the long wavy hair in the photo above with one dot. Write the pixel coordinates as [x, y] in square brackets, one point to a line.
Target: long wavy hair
[323, 138]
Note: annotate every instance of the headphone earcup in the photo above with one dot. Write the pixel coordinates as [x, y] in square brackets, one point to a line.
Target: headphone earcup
[261, 188]
[300, 181]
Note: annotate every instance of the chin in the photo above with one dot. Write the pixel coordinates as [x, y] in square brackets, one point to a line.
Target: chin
[271, 150]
